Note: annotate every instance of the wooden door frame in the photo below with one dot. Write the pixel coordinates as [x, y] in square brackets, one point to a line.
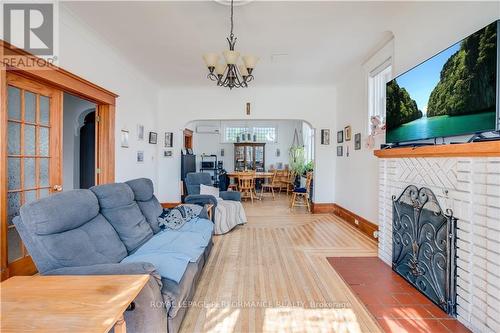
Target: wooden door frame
[58, 78]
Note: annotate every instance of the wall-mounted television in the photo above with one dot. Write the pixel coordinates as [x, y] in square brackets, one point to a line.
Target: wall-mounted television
[456, 92]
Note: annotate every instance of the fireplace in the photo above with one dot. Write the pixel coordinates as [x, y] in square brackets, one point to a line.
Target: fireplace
[424, 245]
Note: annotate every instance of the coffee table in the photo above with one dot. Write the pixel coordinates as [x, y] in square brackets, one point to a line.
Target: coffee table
[86, 304]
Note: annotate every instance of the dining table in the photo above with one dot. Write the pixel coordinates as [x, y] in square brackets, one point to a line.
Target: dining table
[256, 175]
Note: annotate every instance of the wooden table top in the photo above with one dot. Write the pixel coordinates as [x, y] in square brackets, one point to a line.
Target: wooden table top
[53, 304]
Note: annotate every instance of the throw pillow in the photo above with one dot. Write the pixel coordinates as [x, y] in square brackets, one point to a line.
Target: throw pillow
[210, 190]
[176, 217]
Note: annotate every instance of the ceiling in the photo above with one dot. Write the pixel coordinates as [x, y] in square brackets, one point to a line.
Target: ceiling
[298, 42]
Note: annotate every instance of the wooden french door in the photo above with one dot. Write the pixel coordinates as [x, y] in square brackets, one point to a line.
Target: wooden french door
[34, 167]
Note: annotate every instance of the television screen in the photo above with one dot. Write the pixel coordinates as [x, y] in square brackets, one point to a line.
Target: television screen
[452, 93]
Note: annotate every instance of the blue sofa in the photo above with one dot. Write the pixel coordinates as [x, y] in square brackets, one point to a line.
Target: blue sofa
[194, 180]
[113, 229]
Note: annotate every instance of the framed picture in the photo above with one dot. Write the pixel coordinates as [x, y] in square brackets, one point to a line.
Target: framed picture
[140, 156]
[340, 150]
[169, 139]
[140, 132]
[357, 141]
[347, 133]
[340, 136]
[167, 153]
[325, 136]
[153, 137]
[124, 139]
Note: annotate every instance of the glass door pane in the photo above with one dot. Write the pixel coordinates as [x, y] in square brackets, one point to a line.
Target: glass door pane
[249, 158]
[259, 158]
[28, 156]
[239, 158]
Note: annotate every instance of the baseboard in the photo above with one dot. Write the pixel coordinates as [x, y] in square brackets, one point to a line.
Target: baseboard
[322, 208]
[170, 204]
[363, 225]
[360, 223]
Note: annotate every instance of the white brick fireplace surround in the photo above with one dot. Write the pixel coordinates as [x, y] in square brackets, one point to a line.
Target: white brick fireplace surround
[470, 186]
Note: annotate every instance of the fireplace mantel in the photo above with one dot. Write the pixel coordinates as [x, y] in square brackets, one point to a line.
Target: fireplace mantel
[474, 149]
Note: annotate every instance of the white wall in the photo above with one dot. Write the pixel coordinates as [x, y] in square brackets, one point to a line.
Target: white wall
[178, 107]
[72, 114]
[414, 41]
[209, 143]
[86, 54]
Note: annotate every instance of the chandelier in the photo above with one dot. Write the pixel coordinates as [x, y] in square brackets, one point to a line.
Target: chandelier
[230, 74]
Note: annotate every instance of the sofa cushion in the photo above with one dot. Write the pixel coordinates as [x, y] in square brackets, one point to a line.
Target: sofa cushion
[93, 243]
[56, 236]
[150, 206]
[119, 208]
[142, 187]
[151, 209]
[171, 251]
[60, 212]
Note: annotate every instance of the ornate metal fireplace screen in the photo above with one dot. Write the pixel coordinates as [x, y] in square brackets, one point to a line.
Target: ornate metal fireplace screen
[424, 245]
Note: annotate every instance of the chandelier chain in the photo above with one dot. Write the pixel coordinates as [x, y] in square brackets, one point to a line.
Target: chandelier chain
[231, 35]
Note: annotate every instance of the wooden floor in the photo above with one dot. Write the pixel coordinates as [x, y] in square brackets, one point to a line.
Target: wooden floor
[272, 275]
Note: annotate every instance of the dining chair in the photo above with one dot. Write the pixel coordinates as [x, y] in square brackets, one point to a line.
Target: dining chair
[270, 185]
[246, 185]
[280, 179]
[290, 182]
[302, 193]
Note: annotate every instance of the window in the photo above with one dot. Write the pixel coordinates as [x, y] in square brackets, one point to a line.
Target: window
[308, 138]
[266, 134]
[231, 133]
[376, 91]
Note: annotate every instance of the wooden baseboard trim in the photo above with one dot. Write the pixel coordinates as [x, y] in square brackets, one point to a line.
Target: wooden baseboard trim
[363, 225]
[360, 223]
[170, 204]
[322, 208]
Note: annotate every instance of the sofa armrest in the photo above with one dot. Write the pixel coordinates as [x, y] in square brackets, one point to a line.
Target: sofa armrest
[230, 195]
[150, 311]
[201, 199]
[131, 268]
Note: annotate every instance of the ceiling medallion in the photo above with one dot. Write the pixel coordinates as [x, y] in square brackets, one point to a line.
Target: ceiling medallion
[230, 74]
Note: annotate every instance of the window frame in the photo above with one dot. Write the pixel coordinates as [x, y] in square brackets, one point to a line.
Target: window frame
[373, 96]
[251, 129]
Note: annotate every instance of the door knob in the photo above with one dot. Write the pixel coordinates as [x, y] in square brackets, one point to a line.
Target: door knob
[57, 188]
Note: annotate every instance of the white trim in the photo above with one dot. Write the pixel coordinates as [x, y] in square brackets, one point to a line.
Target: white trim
[380, 68]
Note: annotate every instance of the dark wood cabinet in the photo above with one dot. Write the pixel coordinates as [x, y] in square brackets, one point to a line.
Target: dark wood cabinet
[249, 156]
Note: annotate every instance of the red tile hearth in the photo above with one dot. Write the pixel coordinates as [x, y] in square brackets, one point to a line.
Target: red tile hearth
[397, 306]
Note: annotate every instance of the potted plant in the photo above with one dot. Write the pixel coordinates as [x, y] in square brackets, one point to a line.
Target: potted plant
[297, 162]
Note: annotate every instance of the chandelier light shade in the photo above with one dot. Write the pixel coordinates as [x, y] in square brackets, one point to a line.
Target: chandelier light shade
[211, 59]
[230, 73]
